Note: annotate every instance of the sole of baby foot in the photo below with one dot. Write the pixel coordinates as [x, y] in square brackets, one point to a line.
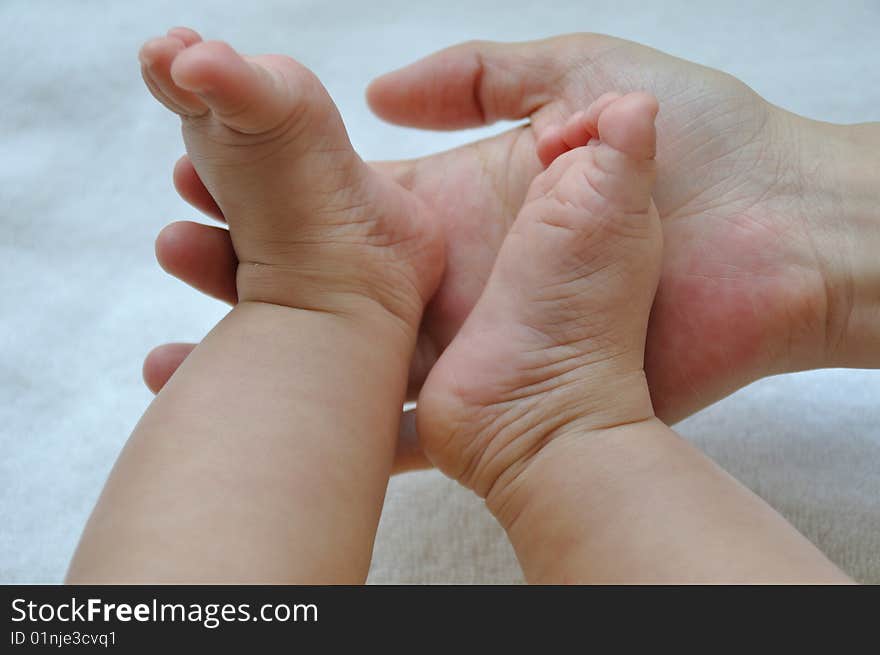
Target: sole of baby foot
[557, 338]
[310, 221]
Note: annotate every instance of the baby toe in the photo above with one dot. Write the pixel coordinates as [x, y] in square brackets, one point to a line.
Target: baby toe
[627, 125]
[156, 57]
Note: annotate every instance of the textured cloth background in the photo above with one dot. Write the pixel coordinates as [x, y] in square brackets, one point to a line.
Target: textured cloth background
[85, 185]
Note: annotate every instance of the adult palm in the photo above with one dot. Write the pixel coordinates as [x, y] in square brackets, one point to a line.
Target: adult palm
[744, 291]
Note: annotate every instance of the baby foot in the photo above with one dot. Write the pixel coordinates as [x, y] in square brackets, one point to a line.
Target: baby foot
[557, 338]
[307, 216]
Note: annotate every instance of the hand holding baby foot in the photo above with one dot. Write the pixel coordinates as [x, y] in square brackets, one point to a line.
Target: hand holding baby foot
[265, 458]
[769, 260]
[541, 402]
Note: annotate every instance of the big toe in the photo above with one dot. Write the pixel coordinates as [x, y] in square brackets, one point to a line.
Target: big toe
[250, 96]
[627, 125]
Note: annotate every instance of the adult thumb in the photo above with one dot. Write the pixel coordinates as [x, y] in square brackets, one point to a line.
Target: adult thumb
[478, 82]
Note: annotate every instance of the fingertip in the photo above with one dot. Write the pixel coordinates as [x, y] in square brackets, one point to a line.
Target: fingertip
[191, 188]
[161, 363]
[151, 375]
[374, 95]
[153, 370]
[409, 455]
[183, 174]
[440, 91]
[167, 246]
[399, 98]
[390, 95]
[200, 255]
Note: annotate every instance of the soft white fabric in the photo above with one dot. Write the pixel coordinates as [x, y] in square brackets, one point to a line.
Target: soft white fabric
[85, 164]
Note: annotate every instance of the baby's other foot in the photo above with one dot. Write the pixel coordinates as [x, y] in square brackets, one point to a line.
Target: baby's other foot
[307, 216]
[557, 338]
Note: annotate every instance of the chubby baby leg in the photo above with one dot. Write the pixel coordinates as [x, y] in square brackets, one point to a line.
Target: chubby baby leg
[265, 457]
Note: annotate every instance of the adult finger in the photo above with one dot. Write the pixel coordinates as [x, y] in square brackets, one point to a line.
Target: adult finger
[161, 363]
[200, 255]
[409, 455]
[191, 188]
[480, 82]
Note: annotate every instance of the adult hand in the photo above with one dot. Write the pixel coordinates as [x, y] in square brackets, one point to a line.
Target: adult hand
[768, 218]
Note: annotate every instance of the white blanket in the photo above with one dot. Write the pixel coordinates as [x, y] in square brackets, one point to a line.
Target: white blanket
[85, 185]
